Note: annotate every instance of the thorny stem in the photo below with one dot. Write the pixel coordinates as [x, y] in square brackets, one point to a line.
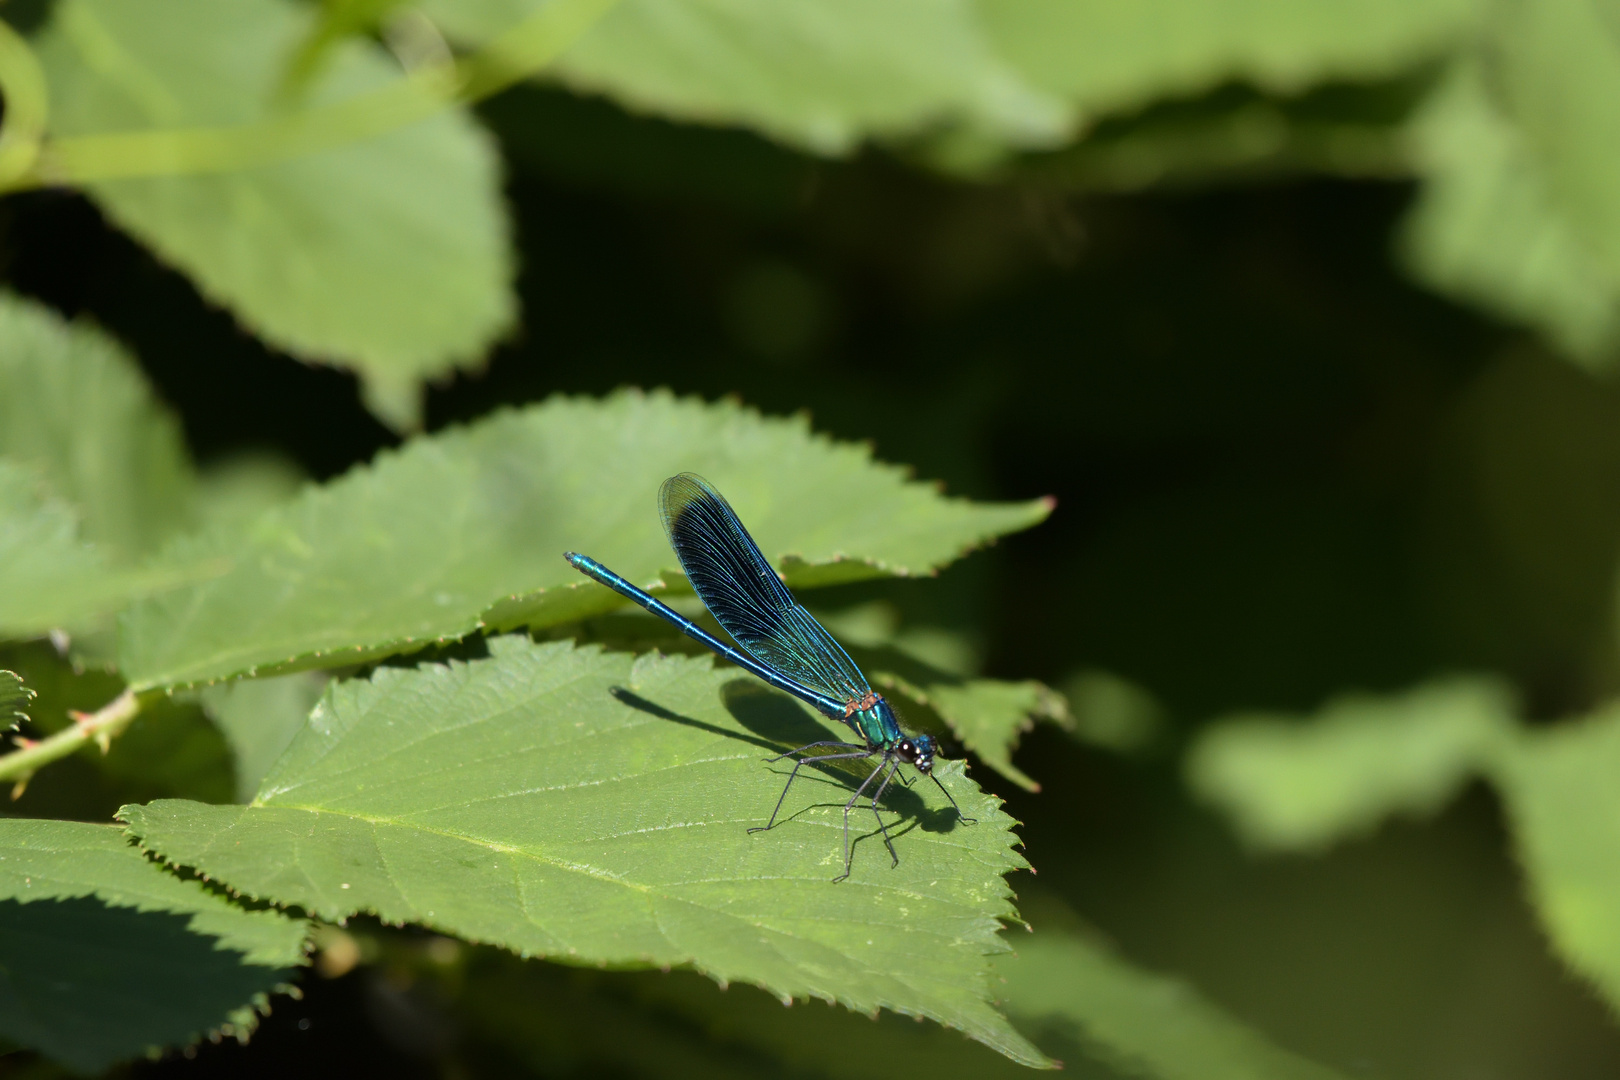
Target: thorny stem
[100, 727]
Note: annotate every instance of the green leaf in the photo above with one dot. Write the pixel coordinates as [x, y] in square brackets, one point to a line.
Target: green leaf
[1107, 57]
[1144, 1024]
[466, 529]
[1557, 67]
[103, 953]
[1113, 713]
[1558, 784]
[1489, 229]
[823, 74]
[14, 698]
[1289, 784]
[232, 492]
[931, 668]
[259, 718]
[74, 406]
[390, 255]
[48, 578]
[594, 807]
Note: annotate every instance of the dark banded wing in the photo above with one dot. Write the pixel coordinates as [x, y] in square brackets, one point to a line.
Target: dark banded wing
[744, 594]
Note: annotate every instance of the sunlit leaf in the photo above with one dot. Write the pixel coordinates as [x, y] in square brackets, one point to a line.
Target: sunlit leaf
[1558, 784]
[103, 953]
[1108, 56]
[594, 807]
[389, 255]
[1556, 64]
[824, 74]
[75, 407]
[1293, 784]
[1487, 226]
[1145, 1024]
[466, 529]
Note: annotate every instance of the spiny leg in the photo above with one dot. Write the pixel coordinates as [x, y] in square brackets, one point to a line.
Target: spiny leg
[849, 854]
[962, 817]
[801, 763]
[893, 770]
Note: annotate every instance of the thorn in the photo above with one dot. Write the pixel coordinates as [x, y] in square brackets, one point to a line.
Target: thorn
[24, 742]
[104, 740]
[61, 641]
[19, 787]
[83, 719]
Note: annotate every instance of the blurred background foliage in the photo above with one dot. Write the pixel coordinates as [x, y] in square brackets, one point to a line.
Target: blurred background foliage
[1307, 314]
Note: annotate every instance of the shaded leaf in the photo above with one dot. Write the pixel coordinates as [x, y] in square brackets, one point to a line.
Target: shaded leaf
[1107, 57]
[231, 493]
[594, 807]
[259, 718]
[1488, 228]
[1143, 1023]
[1293, 785]
[1112, 712]
[466, 529]
[1558, 784]
[75, 407]
[103, 953]
[389, 255]
[824, 74]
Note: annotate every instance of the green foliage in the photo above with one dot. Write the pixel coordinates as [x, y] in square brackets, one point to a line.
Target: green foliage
[1558, 788]
[1104, 57]
[75, 407]
[593, 807]
[102, 953]
[390, 255]
[259, 718]
[1301, 786]
[1146, 1024]
[467, 529]
[824, 74]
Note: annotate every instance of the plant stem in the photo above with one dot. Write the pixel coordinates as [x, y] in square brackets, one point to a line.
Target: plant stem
[513, 56]
[101, 726]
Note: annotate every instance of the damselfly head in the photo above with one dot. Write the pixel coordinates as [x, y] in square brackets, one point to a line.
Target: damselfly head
[917, 750]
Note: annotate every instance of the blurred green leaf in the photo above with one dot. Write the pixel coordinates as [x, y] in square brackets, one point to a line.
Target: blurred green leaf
[232, 492]
[14, 698]
[74, 405]
[1556, 65]
[103, 953]
[1558, 784]
[466, 529]
[1112, 712]
[593, 807]
[1288, 784]
[390, 255]
[1106, 57]
[1144, 1024]
[822, 74]
[259, 718]
[1489, 228]
[49, 579]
